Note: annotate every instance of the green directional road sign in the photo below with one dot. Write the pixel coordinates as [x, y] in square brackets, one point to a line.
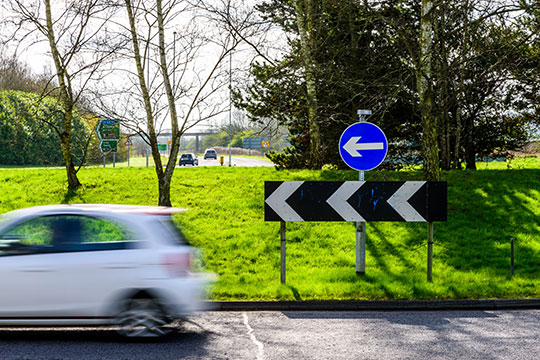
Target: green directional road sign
[162, 147]
[108, 130]
[108, 145]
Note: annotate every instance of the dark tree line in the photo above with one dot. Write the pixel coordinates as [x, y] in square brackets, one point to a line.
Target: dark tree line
[483, 70]
[25, 139]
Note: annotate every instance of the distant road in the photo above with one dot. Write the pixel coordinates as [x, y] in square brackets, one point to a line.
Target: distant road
[235, 161]
[274, 335]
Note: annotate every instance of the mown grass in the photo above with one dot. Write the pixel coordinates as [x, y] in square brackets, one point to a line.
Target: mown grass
[486, 209]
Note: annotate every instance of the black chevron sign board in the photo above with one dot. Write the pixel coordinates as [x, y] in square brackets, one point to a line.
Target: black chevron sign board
[362, 201]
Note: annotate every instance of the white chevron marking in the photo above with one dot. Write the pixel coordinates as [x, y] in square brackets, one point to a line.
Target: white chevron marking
[399, 200]
[338, 201]
[277, 201]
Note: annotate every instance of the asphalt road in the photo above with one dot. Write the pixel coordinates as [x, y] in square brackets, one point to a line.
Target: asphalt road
[235, 161]
[301, 335]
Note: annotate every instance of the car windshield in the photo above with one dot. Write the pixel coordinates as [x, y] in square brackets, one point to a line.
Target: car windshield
[186, 156]
[210, 151]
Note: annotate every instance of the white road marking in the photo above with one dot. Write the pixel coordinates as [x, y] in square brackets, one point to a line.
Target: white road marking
[260, 346]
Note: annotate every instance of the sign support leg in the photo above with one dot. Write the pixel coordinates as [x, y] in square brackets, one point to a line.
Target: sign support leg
[361, 242]
[113, 159]
[104, 160]
[360, 248]
[283, 248]
[430, 253]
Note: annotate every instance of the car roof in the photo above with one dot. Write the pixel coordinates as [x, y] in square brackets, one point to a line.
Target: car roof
[92, 208]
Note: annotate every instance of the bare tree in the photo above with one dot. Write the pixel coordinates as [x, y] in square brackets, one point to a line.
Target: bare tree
[74, 32]
[180, 51]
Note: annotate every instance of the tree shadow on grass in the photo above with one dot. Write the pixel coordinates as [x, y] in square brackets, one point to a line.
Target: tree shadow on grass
[70, 195]
[295, 292]
[486, 210]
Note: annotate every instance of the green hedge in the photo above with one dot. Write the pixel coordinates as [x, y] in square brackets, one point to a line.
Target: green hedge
[25, 138]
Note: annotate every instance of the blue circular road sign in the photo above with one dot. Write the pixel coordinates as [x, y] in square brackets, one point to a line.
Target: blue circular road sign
[363, 146]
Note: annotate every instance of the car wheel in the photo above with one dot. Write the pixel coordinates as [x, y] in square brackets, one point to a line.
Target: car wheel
[142, 318]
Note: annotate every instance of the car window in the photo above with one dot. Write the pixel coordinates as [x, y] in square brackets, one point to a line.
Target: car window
[63, 233]
[172, 232]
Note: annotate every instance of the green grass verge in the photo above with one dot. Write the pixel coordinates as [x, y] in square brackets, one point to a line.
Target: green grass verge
[471, 252]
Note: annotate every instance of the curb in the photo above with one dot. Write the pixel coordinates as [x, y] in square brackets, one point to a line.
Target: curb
[376, 305]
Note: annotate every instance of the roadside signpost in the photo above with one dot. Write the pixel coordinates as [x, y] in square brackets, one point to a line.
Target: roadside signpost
[162, 147]
[254, 142]
[129, 144]
[108, 133]
[362, 146]
[107, 146]
[108, 129]
[404, 201]
[358, 201]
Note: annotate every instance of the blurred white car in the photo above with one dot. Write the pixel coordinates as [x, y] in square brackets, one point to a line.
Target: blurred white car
[95, 265]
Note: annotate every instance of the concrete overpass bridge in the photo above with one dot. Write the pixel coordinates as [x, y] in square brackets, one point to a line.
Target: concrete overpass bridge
[196, 134]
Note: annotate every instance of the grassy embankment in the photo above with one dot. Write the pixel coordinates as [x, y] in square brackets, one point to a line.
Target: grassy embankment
[471, 252]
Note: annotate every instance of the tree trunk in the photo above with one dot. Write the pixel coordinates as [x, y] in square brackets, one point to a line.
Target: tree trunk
[461, 87]
[166, 176]
[163, 179]
[304, 20]
[66, 98]
[430, 148]
[470, 151]
[73, 180]
[457, 144]
[443, 93]
[164, 184]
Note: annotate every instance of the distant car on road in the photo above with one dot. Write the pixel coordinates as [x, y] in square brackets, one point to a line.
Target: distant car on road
[88, 264]
[188, 159]
[210, 154]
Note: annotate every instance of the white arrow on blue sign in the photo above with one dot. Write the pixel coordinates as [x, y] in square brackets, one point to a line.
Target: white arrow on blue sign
[363, 146]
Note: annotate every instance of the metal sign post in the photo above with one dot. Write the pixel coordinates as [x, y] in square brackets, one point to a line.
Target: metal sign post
[283, 253]
[128, 143]
[430, 252]
[362, 146]
[361, 226]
